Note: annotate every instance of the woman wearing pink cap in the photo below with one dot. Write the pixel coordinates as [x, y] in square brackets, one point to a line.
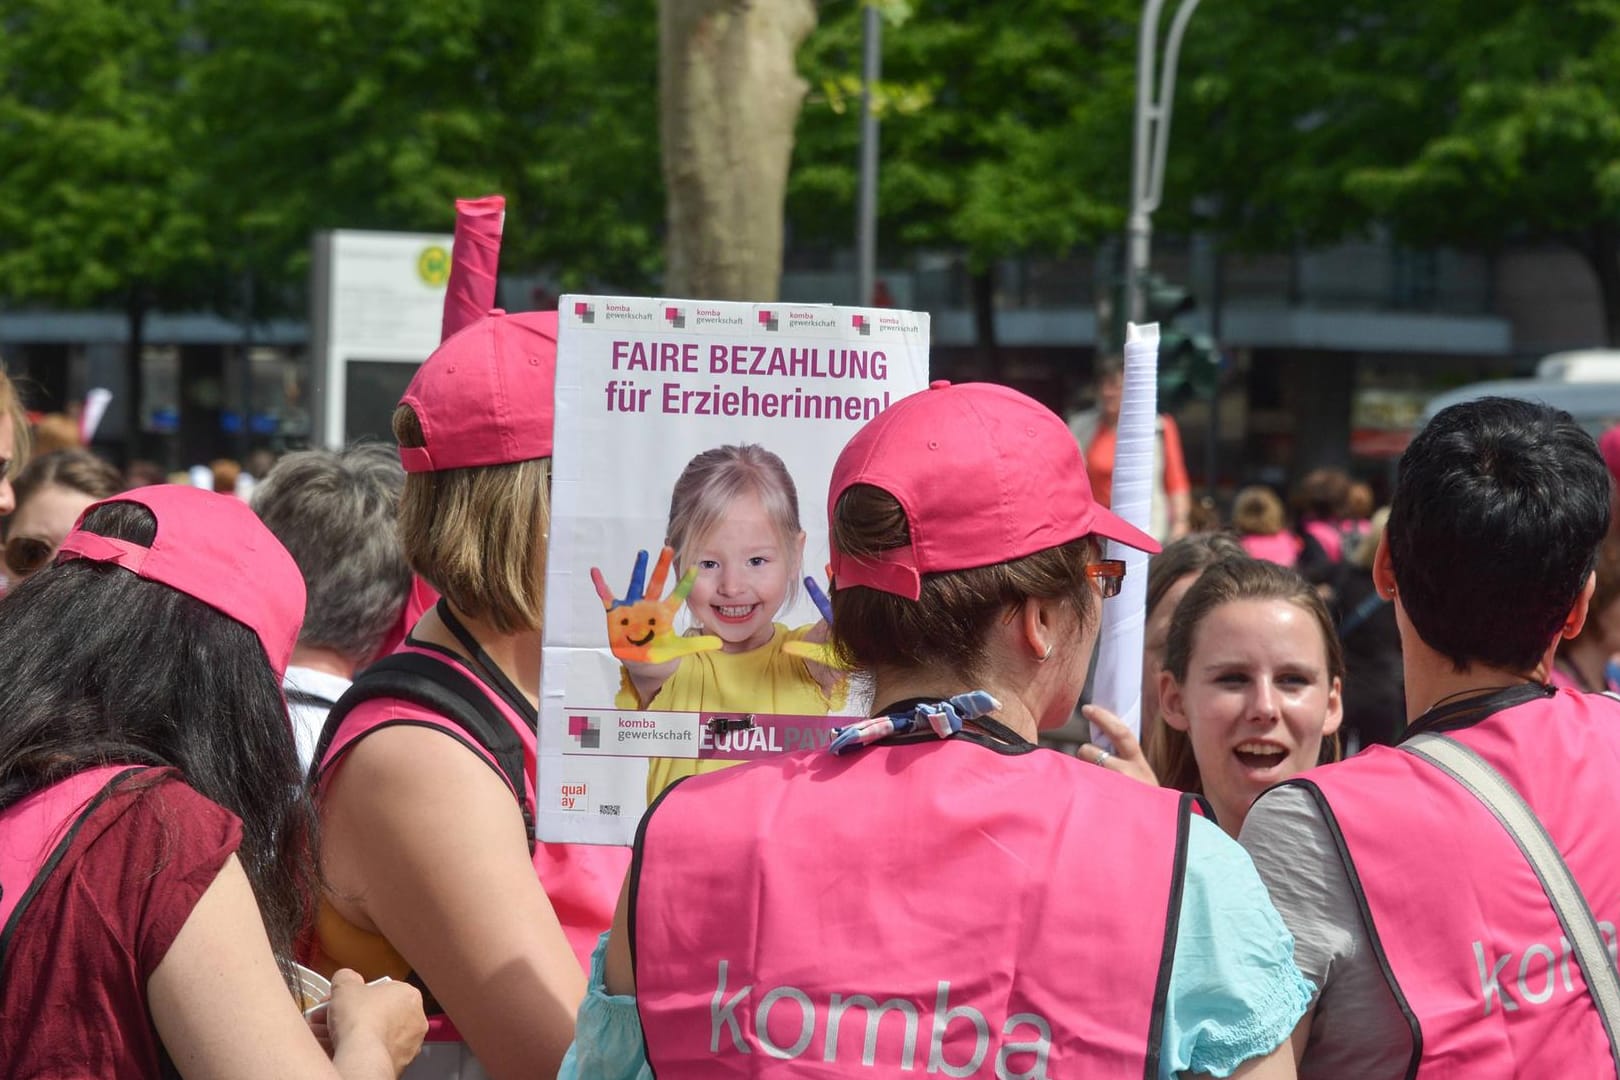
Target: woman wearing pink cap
[939, 894]
[155, 861]
[426, 793]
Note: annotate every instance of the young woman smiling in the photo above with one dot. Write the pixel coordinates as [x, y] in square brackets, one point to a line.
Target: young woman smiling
[1253, 674]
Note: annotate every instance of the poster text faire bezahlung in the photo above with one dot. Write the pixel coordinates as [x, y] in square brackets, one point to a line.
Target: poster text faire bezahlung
[628, 393]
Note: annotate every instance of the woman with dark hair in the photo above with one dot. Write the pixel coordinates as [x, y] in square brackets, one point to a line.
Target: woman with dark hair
[156, 846]
[938, 885]
[51, 493]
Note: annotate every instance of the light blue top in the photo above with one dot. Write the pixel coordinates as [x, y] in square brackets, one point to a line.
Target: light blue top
[1235, 992]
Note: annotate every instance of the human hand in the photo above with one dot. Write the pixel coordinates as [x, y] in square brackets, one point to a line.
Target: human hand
[641, 627]
[1126, 757]
[367, 1022]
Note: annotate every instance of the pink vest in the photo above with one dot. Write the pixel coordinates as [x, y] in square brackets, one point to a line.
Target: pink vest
[1281, 548]
[1470, 945]
[582, 882]
[908, 909]
[1327, 534]
[36, 831]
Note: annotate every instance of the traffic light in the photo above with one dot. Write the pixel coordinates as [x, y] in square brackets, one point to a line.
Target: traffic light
[1189, 363]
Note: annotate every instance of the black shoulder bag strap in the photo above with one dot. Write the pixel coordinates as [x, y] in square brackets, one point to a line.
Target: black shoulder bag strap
[433, 684]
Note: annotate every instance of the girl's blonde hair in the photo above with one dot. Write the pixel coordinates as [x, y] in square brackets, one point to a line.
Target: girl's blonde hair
[714, 480]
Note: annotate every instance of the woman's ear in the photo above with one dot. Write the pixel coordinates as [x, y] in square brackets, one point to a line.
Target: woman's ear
[1335, 708]
[1171, 706]
[1038, 630]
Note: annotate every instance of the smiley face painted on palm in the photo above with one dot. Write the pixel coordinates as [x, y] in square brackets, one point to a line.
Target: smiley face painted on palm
[640, 626]
[744, 567]
[635, 625]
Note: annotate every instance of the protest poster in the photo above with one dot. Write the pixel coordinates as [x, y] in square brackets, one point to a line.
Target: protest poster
[702, 423]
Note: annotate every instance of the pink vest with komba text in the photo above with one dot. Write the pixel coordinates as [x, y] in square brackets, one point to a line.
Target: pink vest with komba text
[1470, 944]
[911, 909]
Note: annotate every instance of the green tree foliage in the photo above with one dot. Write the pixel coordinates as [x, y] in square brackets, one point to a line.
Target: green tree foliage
[100, 200]
[97, 199]
[159, 151]
[1453, 123]
[1006, 127]
[357, 114]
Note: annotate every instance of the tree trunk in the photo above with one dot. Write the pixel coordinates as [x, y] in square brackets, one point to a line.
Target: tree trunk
[1601, 247]
[729, 98]
[135, 311]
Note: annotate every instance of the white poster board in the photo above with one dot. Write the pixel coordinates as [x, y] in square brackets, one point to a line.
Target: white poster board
[377, 302]
[644, 387]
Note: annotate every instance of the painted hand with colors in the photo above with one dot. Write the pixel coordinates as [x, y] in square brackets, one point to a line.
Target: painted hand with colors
[641, 627]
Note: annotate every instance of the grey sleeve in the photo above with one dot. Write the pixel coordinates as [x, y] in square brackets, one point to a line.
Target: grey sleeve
[1358, 1027]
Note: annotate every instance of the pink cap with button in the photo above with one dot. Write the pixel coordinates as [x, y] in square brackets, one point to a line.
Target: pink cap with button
[213, 548]
[485, 396]
[984, 474]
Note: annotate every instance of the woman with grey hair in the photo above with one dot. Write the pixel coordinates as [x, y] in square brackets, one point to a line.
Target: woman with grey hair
[335, 511]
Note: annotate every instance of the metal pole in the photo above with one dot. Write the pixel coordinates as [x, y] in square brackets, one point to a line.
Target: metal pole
[866, 213]
[1152, 134]
[1139, 227]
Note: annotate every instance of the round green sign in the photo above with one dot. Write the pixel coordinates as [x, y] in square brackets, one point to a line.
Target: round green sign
[433, 265]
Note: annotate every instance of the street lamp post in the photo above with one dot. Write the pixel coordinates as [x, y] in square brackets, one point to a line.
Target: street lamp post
[1151, 137]
[866, 214]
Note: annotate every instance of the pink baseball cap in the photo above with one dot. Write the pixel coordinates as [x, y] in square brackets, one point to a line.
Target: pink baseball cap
[485, 396]
[213, 548]
[984, 475]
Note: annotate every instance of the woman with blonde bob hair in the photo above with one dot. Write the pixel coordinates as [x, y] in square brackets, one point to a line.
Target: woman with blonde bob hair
[933, 861]
[427, 792]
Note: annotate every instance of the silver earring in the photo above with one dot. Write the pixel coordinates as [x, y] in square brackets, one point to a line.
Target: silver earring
[1047, 655]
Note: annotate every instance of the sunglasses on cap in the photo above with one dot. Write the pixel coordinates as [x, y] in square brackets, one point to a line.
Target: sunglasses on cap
[27, 555]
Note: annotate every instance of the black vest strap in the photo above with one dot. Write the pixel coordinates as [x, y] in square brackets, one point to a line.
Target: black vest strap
[433, 684]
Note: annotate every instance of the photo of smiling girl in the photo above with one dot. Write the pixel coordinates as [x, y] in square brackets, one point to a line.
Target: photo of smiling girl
[734, 528]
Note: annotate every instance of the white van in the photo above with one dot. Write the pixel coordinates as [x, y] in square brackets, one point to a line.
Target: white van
[1585, 384]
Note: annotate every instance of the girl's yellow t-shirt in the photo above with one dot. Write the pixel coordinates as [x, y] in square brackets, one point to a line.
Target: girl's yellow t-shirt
[762, 680]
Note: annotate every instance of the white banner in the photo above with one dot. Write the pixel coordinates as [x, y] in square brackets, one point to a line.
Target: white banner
[700, 422]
